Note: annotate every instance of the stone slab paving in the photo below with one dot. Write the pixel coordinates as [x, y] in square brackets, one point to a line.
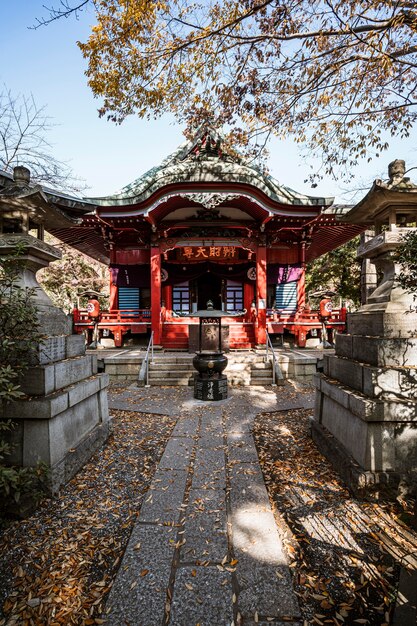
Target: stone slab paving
[205, 549]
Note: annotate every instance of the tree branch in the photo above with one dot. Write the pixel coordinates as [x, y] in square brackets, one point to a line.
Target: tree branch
[56, 14]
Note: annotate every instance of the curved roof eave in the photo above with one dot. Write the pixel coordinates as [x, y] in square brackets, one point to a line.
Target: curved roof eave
[60, 199]
[379, 198]
[208, 170]
[251, 194]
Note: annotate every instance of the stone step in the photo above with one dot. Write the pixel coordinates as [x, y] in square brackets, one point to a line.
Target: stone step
[261, 365]
[171, 368]
[261, 381]
[257, 373]
[173, 360]
[176, 349]
[170, 382]
[170, 374]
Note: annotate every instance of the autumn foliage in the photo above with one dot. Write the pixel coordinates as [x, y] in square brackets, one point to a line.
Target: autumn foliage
[336, 76]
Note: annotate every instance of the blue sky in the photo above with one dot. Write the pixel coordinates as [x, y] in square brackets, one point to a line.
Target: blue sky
[47, 63]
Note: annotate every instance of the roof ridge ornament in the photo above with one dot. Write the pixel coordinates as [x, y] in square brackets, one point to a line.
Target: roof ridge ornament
[397, 177]
[208, 143]
[209, 199]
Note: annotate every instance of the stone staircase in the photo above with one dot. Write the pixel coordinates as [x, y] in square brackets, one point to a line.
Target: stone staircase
[242, 369]
[261, 373]
[175, 368]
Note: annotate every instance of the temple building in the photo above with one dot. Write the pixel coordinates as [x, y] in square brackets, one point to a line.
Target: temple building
[203, 225]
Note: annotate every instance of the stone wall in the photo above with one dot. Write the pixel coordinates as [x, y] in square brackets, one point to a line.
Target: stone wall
[64, 418]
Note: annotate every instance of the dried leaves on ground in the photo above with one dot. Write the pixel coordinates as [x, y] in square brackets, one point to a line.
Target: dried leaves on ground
[346, 553]
[57, 566]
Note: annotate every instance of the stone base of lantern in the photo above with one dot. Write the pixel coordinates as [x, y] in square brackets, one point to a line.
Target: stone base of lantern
[210, 389]
[64, 419]
[361, 481]
[365, 417]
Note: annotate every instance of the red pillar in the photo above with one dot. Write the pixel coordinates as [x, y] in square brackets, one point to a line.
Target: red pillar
[114, 300]
[301, 286]
[261, 294]
[301, 292]
[248, 296]
[114, 291]
[167, 296]
[156, 294]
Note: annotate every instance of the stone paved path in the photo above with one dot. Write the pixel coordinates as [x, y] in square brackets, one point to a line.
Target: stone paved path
[205, 549]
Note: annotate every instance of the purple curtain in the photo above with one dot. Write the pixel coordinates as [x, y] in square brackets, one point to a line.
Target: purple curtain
[277, 274]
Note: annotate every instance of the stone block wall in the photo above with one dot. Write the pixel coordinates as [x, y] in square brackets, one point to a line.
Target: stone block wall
[64, 417]
[366, 400]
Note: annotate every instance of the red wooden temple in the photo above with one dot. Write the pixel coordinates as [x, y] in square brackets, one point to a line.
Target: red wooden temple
[202, 226]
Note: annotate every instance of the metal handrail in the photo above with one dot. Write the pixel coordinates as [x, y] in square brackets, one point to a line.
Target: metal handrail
[144, 369]
[276, 370]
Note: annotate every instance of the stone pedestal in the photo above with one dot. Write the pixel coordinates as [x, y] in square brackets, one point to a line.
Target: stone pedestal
[210, 389]
[365, 417]
[64, 417]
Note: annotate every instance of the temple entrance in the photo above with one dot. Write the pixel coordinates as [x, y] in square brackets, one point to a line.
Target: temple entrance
[209, 287]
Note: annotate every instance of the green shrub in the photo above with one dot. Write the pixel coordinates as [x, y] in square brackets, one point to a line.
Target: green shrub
[19, 336]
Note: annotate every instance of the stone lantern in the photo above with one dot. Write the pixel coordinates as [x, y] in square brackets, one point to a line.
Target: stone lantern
[63, 416]
[25, 209]
[366, 401]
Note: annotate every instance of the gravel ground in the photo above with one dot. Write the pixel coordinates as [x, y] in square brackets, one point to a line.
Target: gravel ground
[57, 566]
[346, 552]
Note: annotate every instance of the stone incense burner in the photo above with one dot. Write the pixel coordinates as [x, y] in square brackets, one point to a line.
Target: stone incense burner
[210, 383]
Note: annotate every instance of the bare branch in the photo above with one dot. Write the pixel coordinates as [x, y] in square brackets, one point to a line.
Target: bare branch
[64, 11]
[23, 141]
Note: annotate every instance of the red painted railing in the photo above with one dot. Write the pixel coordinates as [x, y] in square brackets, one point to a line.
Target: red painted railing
[118, 322]
[116, 317]
[301, 323]
[138, 321]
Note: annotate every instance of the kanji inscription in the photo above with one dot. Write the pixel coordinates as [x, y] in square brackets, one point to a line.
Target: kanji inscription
[199, 253]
